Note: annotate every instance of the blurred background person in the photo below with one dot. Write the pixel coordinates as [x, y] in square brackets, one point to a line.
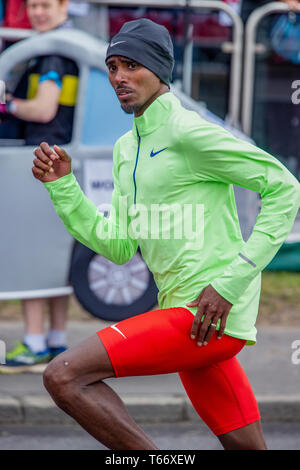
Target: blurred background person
[50, 83]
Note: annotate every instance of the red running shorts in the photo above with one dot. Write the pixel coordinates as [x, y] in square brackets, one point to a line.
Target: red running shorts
[158, 342]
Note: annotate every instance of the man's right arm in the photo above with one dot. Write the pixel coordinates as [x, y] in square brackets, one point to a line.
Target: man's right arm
[106, 236]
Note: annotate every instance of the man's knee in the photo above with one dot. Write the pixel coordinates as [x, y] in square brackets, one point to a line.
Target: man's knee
[58, 377]
[79, 366]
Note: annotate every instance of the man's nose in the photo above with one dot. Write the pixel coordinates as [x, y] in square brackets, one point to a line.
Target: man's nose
[121, 76]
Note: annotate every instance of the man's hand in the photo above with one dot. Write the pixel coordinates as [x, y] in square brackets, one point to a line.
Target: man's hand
[214, 307]
[50, 165]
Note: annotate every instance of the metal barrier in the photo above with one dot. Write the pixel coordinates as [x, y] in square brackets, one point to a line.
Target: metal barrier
[234, 48]
[287, 258]
[15, 34]
[251, 48]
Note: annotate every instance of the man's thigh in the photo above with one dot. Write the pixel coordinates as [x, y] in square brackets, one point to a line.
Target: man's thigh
[158, 342]
[222, 395]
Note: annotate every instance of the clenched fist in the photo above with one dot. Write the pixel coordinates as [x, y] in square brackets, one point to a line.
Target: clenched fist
[50, 165]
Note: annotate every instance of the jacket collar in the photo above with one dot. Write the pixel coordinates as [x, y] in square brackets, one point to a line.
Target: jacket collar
[155, 115]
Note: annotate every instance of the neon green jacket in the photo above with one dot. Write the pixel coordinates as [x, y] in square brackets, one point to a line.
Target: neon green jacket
[173, 160]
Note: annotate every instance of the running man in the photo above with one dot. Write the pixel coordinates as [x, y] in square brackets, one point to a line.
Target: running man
[209, 281]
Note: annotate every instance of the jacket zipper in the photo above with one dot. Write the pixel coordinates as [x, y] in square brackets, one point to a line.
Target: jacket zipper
[136, 161]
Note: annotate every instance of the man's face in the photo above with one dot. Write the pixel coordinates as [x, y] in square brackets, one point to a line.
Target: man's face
[135, 85]
[45, 15]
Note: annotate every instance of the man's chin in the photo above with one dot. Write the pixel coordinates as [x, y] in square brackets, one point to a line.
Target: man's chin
[130, 109]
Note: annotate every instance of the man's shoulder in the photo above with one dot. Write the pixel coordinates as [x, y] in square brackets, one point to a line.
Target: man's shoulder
[187, 126]
[184, 120]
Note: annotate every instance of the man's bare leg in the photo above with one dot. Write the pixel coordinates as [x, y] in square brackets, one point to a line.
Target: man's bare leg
[74, 380]
[246, 438]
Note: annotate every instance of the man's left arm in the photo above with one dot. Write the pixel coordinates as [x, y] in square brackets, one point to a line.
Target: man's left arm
[215, 155]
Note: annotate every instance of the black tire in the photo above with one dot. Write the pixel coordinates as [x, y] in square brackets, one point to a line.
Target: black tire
[113, 279]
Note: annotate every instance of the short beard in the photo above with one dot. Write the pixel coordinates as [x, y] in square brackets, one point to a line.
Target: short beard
[130, 109]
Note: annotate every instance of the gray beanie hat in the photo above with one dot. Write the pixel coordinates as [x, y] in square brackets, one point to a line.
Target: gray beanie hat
[147, 43]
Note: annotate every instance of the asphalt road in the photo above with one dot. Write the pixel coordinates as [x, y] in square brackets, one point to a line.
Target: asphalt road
[181, 436]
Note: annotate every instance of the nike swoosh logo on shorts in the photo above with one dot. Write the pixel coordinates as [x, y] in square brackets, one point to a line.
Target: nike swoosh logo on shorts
[152, 154]
[117, 329]
[115, 43]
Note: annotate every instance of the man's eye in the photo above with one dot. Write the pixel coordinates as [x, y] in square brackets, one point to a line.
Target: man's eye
[132, 65]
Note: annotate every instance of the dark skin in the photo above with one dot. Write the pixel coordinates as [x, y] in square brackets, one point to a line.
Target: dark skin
[74, 379]
[135, 86]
